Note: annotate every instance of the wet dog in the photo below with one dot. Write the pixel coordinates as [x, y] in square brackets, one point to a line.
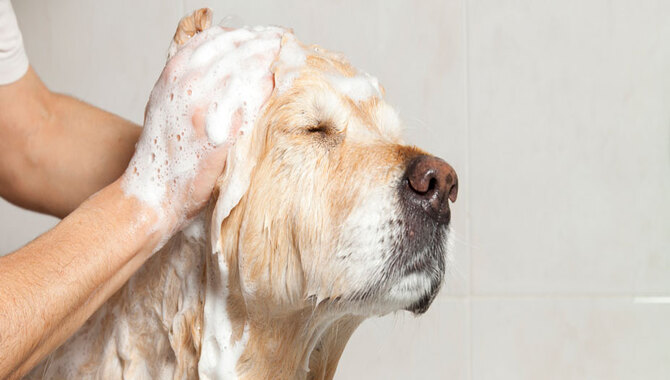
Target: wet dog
[322, 218]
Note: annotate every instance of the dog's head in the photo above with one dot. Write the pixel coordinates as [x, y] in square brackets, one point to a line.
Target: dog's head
[322, 203]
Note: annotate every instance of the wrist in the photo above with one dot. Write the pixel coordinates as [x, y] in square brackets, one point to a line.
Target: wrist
[130, 218]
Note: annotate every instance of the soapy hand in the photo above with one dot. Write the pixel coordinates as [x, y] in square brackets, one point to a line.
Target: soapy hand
[211, 88]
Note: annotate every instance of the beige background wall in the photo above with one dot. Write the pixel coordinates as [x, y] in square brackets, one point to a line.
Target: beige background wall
[556, 116]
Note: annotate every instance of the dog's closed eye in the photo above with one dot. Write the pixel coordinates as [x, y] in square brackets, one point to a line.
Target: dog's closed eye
[321, 128]
[325, 134]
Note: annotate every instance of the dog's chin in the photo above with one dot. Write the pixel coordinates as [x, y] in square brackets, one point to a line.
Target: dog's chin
[422, 275]
[412, 289]
[415, 291]
[420, 260]
[421, 306]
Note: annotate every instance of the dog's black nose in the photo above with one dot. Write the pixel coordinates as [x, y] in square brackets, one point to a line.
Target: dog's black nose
[432, 183]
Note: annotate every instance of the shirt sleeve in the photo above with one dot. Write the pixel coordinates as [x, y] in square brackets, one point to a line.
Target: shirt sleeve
[13, 59]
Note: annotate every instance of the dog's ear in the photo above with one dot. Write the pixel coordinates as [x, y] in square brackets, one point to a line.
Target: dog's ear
[233, 183]
[243, 154]
[189, 26]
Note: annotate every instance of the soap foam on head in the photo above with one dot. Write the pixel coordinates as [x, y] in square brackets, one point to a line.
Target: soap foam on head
[219, 74]
[357, 88]
[292, 59]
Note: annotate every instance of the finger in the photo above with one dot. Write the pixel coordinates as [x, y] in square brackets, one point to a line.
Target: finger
[198, 120]
[203, 19]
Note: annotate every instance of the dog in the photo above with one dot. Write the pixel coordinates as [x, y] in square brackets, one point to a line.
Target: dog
[323, 217]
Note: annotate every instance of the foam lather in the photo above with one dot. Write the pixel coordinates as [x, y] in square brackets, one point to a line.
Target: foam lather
[208, 94]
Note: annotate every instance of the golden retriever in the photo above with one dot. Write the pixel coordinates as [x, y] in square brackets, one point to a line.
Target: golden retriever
[323, 217]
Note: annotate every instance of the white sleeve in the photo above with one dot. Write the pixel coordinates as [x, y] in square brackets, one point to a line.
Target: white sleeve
[13, 59]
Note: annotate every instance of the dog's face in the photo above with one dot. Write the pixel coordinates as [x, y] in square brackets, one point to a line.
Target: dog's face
[338, 211]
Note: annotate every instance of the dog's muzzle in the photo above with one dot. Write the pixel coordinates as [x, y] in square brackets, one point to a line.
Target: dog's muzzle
[425, 190]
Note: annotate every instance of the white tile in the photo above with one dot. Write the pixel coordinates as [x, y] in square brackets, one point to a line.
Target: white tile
[19, 226]
[433, 346]
[106, 53]
[570, 147]
[569, 338]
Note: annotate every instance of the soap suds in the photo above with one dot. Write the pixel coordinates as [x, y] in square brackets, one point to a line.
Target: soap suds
[219, 353]
[195, 230]
[212, 87]
[292, 60]
[358, 88]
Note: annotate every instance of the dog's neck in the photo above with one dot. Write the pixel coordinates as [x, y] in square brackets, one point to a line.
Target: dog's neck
[296, 347]
[239, 343]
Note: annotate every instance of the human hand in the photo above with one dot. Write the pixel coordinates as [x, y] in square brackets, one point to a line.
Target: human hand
[212, 86]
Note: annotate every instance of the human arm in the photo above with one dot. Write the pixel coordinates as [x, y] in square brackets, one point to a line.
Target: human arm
[55, 151]
[52, 285]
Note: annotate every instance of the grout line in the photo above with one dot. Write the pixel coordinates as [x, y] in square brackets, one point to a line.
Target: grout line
[468, 224]
[665, 299]
[470, 343]
[468, 228]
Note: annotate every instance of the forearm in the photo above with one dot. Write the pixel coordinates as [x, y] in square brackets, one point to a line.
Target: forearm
[57, 151]
[52, 285]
